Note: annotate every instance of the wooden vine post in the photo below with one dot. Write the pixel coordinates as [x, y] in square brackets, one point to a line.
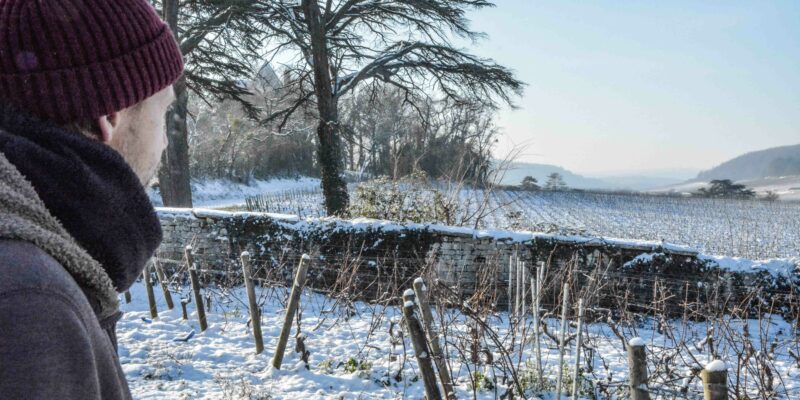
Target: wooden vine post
[637, 361]
[151, 297]
[127, 296]
[291, 309]
[510, 286]
[715, 381]
[255, 312]
[198, 298]
[420, 347]
[537, 288]
[579, 343]
[562, 338]
[184, 302]
[162, 279]
[421, 291]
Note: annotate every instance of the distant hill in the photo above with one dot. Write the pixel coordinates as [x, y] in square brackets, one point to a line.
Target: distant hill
[773, 162]
[519, 170]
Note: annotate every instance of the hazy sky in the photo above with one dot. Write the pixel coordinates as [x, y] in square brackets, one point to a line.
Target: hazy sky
[646, 85]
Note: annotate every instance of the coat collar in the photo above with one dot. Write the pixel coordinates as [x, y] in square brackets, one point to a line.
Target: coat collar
[89, 188]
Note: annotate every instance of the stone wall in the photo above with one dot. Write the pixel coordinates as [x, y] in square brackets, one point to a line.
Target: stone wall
[376, 260]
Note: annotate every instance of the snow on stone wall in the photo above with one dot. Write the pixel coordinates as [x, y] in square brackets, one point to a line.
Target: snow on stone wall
[374, 259]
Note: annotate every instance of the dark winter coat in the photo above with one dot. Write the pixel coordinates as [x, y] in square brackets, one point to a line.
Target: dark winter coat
[76, 228]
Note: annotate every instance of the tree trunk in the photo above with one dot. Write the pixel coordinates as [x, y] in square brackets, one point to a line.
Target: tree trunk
[173, 177]
[329, 152]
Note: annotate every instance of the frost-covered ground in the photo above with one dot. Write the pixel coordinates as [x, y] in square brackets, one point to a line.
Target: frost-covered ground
[358, 355]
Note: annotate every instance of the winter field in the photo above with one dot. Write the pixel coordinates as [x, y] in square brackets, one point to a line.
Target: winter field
[362, 351]
[737, 228]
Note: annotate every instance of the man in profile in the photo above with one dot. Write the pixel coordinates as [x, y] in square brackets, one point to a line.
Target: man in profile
[84, 87]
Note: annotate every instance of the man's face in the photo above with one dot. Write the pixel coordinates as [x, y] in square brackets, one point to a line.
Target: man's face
[141, 134]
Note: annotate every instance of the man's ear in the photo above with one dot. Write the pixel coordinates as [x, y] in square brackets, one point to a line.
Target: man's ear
[107, 125]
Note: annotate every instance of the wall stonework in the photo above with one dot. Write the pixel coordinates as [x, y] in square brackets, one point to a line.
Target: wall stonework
[375, 260]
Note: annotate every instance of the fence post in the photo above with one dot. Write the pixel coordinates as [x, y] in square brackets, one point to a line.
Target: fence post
[255, 312]
[562, 338]
[433, 337]
[162, 279]
[198, 299]
[291, 308]
[420, 347]
[151, 297]
[715, 381]
[127, 296]
[637, 360]
[578, 344]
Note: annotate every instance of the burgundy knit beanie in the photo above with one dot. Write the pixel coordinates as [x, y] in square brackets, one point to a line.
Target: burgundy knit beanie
[76, 60]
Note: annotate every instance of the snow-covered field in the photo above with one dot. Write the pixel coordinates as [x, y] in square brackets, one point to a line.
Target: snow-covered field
[751, 229]
[358, 353]
[786, 187]
[736, 228]
[224, 193]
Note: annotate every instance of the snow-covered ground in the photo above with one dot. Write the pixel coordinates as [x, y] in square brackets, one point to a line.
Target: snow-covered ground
[735, 228]
[786, 187]
[360, 354]
[224, 193]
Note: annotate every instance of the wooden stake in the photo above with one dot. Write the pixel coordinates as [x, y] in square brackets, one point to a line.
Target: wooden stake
[420, 347]
[524, 292]
[184, 302]
[637, 360]
[518, 300]
[198, 298]
[151, 297]
[162, 280]
[715, 381]
[579, 343]
[510, 286]
[127, 296]
[433, 337]
[291, 308]
[536, 328]
[255, 312]
[562, 338]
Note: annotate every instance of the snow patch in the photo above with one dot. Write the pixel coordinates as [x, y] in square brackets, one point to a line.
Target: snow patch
[222, 192]
[775, 266]
[716, 366]
[636, 342]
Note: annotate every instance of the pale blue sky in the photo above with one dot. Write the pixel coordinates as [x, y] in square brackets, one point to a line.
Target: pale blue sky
[636, 86]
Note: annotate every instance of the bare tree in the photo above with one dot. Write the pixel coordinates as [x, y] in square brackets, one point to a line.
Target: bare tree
[403, 43]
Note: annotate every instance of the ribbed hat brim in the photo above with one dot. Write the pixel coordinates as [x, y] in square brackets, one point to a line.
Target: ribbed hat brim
[91, 91]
